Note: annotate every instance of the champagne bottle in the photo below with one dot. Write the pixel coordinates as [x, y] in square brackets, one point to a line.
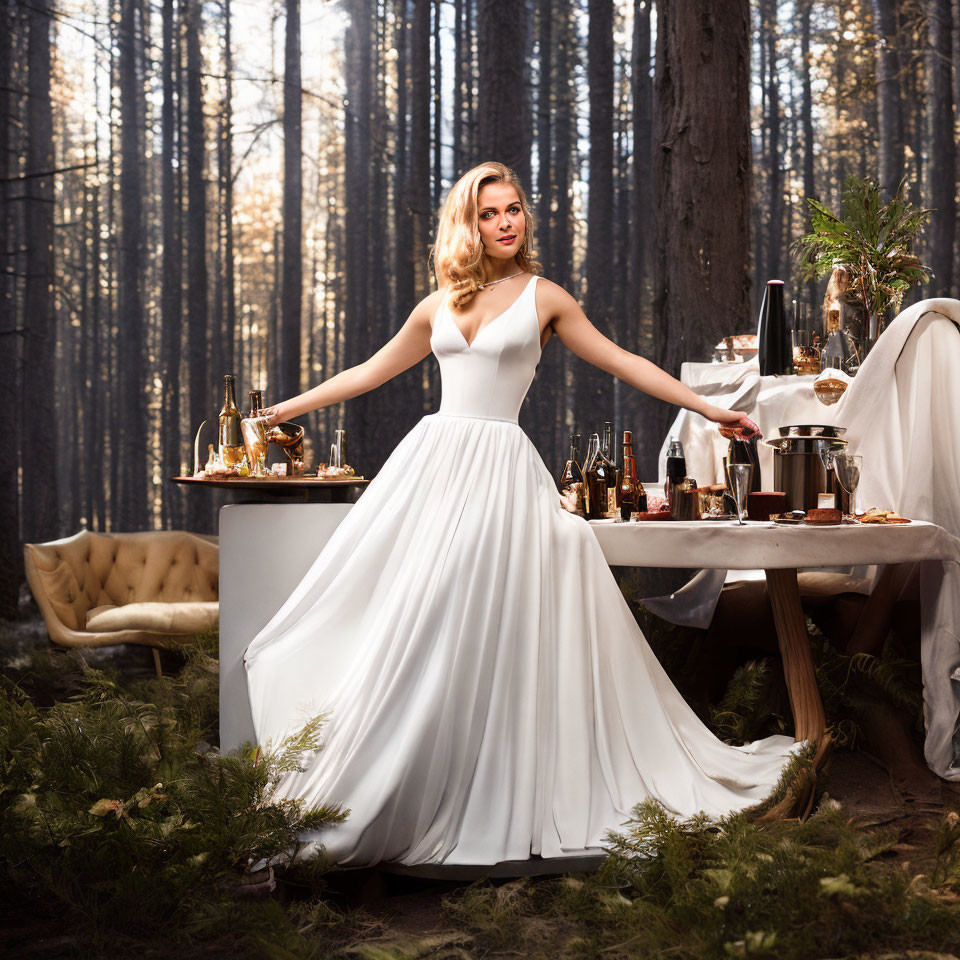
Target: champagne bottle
[256, 403]
[774, 349]
[609, 452]
[231, 441]
[571, 479]
[633, 497]
[601, 486]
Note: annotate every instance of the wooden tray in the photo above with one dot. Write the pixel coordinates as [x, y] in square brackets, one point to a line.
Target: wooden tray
[275, 483]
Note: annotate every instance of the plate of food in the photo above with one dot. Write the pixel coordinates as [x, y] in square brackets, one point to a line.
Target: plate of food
[877, 516]
[824, 517]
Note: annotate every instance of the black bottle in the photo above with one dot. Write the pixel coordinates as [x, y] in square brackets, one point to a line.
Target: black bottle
[774, 348]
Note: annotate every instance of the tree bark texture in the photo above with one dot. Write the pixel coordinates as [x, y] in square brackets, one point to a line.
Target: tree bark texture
[941, 168]
[504, 114]
[40, 519]
[292, 291]
[702, 177]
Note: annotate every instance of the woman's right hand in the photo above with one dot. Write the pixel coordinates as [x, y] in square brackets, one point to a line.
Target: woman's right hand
[273, 414]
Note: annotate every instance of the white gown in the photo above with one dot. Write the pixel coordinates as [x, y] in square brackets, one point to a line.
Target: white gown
[490, 694]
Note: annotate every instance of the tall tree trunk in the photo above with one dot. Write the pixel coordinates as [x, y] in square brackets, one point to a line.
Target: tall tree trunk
[594, 387]
[545, 188]
[11, 555]
[418, 167]
[357, 182]
[772, 260]
[564, 146]
[642, 212]
[171, 279]
[889, 118]
[461, 41]
[503, 120]
[437, 106]
[806, 122]
[40, 518]
[941, 170]
[130, 278]
[702, 178]
[229, 264]
[292, 296]
[405, 294]
[203, 395]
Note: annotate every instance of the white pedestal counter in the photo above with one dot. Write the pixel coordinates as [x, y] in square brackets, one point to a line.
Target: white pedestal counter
[265, 549]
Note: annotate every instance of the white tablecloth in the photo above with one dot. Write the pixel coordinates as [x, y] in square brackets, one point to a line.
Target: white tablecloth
[902, 414]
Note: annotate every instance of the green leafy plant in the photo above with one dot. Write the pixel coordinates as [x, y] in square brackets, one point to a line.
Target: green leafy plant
[872, 237]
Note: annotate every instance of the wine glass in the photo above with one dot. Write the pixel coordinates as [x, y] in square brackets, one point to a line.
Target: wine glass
[847, 467]
[739, 476]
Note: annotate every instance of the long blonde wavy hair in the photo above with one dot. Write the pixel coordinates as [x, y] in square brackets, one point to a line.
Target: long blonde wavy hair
[458, 251]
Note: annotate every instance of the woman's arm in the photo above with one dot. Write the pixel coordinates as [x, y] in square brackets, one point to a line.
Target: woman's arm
[409, 345]
[578, 334]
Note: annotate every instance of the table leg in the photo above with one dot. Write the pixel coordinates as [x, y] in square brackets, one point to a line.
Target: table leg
[808, 717]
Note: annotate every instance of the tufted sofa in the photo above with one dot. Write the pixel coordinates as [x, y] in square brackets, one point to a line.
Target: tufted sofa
[95, 589]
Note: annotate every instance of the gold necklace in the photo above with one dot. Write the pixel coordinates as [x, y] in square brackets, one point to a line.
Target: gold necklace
[490, 283]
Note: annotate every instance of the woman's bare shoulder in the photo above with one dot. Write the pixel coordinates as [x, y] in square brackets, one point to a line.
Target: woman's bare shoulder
[552, 298]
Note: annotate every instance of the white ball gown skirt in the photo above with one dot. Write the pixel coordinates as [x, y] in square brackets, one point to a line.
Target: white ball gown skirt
[489, 693]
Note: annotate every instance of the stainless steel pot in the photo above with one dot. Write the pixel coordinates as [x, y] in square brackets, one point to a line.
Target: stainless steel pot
[798, 468]
[812, 430]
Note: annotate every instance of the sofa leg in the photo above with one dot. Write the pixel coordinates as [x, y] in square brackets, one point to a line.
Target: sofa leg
[156, 662]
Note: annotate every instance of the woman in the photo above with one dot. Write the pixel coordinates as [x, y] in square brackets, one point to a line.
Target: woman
[490, 696]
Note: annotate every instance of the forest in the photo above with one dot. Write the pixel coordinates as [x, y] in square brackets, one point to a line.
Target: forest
[198, 187]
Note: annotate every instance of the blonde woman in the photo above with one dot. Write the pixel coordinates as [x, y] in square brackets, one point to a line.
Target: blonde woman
[490, 696]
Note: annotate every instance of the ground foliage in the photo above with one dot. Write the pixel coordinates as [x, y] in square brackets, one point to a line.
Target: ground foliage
[126, 830]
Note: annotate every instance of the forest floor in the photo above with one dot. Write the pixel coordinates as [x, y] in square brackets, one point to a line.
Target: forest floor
[874, 872]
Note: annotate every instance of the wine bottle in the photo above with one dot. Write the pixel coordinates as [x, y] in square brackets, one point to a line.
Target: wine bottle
[633, 497]
[571, 479]
[231, 441]
[595, 480]
[773, 337]
[609, 451]
[256, 403]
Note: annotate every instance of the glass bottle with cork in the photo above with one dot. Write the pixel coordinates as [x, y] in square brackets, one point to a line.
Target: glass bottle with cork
[230, 439]
[571, 479]
[633, 498]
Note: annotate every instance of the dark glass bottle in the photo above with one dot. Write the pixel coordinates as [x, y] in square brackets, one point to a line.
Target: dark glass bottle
[609, 453]
[571, 479]
[231, 441]
[592, 500]
[676, 471]
[774, 348]
[256, 403]
[633, 497]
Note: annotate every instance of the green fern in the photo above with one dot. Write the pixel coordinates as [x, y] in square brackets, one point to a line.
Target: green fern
[872, 237]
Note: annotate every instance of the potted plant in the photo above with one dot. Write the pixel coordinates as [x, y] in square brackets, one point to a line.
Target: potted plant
[873, 241]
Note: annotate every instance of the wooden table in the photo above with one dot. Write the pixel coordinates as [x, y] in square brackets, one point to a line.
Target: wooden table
[780, 551]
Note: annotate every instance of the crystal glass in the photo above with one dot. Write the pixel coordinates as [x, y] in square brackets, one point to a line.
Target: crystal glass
[739, 476]
[847, 467]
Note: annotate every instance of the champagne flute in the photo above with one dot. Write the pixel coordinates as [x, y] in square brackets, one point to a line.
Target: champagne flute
[847, 467]
[739, 476]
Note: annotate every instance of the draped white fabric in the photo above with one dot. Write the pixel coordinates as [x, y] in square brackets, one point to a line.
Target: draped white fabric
[490, 695]
[902, 414]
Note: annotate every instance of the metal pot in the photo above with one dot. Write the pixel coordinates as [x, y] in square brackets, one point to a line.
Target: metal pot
[812, 430]
[798, 468]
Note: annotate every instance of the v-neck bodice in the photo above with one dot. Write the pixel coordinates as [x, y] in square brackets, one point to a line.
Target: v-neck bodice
[489, 377]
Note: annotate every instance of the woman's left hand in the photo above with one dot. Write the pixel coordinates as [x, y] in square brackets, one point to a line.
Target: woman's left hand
[733, 423]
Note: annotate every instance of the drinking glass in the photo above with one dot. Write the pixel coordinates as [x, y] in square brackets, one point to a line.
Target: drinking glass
[847, 467]
[739, 476]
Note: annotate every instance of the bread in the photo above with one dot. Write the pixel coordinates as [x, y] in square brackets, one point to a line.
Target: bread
[824, 515]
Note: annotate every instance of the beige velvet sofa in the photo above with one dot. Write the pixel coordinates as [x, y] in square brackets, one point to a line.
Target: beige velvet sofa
[158, 588]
